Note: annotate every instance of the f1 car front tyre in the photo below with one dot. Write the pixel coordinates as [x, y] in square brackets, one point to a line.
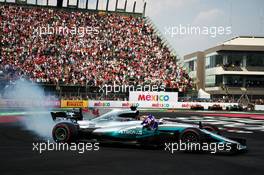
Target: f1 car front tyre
[65, 132]
[212, 128]
[191, 135]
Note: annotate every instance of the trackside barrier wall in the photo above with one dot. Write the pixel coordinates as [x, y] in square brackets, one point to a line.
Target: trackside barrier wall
[140, 104]
[10, 103]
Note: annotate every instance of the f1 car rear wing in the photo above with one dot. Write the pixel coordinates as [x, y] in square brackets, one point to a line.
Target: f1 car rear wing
[72, 115]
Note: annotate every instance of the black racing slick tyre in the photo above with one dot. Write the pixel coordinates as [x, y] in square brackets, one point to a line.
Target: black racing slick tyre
[191, 138]
[65, 132]
[212, 128]
[191, 135]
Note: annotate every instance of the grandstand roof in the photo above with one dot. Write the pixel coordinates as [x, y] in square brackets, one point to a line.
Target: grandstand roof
[246, 41]
[240, 43]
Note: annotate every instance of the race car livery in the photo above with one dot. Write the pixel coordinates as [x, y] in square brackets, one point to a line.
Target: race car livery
[126, 126]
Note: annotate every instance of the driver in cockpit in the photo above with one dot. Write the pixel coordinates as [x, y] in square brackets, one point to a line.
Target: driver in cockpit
[149, 122]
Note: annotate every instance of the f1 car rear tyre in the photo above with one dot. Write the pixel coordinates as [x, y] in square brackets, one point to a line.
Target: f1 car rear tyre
[64, 132]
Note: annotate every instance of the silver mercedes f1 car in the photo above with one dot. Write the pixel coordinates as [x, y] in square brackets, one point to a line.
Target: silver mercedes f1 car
[127, 126]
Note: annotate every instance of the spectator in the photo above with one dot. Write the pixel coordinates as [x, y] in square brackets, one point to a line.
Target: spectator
[120, 49]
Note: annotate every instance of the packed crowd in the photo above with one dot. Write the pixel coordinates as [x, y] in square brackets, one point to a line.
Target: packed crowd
[224, 99]
[258, 101]
[114, 48]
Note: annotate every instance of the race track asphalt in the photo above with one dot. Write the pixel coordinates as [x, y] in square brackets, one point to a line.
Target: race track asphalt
[17, 157]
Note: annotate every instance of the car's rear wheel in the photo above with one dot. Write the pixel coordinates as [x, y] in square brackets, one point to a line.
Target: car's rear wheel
[64, 132]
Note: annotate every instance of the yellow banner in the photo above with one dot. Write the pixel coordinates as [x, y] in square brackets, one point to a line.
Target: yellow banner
[74, 103]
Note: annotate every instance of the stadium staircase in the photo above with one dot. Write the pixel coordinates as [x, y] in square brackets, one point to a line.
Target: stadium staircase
[161, 36]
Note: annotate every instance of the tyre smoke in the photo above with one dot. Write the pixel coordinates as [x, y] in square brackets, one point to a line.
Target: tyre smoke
[32, 98]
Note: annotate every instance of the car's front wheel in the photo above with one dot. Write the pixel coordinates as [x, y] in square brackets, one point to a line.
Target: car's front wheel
[190, 136]
[212, 128]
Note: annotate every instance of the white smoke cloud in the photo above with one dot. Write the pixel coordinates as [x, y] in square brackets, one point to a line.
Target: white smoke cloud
[38, 119]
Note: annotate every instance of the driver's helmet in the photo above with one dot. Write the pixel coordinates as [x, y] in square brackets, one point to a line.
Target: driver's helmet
[150, 122]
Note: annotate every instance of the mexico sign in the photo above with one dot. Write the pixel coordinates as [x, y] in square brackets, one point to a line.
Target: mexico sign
[153, 97]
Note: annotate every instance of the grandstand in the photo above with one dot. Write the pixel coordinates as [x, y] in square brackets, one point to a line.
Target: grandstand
[74, 51]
